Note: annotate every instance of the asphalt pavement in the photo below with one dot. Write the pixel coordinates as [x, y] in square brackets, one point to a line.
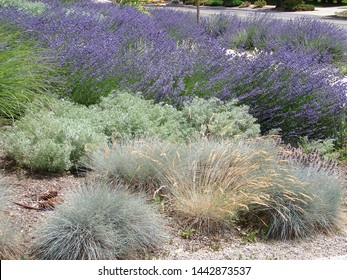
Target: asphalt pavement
[325, 14]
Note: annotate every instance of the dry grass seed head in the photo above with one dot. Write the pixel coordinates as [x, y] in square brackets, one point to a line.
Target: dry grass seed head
[215, 181]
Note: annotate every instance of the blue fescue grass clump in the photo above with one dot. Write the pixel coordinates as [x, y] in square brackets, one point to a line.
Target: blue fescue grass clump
[140, 164]
[98, 222]
[307, 200]
[289, 83]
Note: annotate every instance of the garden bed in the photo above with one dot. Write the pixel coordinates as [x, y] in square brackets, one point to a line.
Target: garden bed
[128, 134]
[180, 245]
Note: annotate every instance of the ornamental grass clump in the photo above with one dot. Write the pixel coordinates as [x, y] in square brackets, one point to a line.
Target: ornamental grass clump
[307, 201]
[99, 222]
[24, 72]
[214, 180]
[217, 184]
[140, 164]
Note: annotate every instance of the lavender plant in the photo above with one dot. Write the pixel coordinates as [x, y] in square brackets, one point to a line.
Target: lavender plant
[266, 33]
[286, 90]
[313, 159]
[180, 25]
[288, 84]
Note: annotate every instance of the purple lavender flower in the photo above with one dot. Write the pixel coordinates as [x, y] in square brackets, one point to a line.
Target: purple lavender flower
[289, 84]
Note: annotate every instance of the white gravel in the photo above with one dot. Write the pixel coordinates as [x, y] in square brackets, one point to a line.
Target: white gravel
[235, 248]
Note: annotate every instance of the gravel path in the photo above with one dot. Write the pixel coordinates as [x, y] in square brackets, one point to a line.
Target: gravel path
[236, 248]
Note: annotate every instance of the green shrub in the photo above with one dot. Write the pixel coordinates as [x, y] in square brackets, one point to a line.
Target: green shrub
[23, 73]
[9, 248]
[245, 4]
[189, 2]
[33, 7]
[304, 7]
[98, 222]
[213, 3]
[290, 4]
[204, 2]
[259, 4]
[231, 3]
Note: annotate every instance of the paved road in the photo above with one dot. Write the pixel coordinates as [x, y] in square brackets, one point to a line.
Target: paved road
[325, 14]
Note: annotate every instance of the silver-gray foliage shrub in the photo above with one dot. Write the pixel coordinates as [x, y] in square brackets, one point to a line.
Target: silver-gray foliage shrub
[99, 222]
[215, 117]
[52, 138]
[55, 135]
[127, 115]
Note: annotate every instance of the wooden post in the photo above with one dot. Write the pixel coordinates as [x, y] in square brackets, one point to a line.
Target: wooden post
[198, 11]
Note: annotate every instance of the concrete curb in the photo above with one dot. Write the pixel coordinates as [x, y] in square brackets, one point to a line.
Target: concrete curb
[319, 11]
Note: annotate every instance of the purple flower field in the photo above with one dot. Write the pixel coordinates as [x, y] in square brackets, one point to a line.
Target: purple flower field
[290, 82]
